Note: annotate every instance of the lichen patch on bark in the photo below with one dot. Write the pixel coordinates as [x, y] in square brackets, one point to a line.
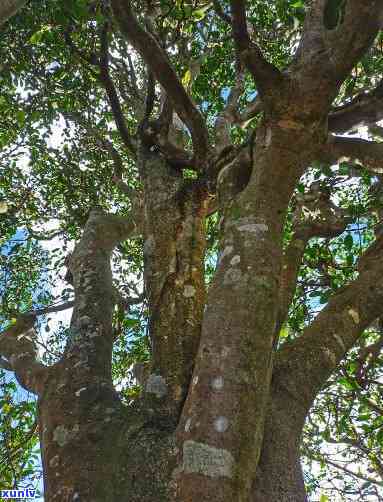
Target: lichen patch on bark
[221, 424]
[354, 315]
[203, 459]
[156, 385]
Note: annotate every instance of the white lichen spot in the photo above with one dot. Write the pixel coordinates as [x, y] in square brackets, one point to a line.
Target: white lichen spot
[252, 226]
[235, 260]
[221, 424]
[217, 383]
[54, 461]
[340, 341]
[187, 425]
[203, 459]
[62, 435]
[225, 351]
[78, 392]
[354, 315]
[156, 385]
[76, 496]
[195, 380]
[330, 356]
[232, 276]
[189, 291]
[149, 245]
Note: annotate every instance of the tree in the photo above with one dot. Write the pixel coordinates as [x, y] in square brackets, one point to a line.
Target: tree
[9, 8]
[157, 169]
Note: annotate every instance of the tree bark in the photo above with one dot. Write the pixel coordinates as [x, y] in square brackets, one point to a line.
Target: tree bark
[174, 249]
[279, 475]
[8, 8]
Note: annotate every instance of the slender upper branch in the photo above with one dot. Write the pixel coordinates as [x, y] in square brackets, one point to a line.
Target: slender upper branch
[364, 110]
[111, 92]
[220, 12]
[229, 114]
[315, 216]
[158, 62]
[265, 74]
[308, 361]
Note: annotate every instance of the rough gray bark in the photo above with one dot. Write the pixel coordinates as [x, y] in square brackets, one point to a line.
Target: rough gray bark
[8, 8]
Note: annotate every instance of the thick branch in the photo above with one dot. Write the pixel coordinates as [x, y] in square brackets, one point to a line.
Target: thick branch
[364, 110]
[91, 339]
[18, 352]
[8, 8]
[265, 74]
[158, 62]
[306, 363]
[367, 153]
[335, 37]
[250, 111]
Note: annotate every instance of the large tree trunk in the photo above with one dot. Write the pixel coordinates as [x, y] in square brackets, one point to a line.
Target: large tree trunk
[279, 474]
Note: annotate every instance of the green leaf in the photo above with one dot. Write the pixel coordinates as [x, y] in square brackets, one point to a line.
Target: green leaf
[344, 168]
[199, 14]
[348, 241]
[186, 79]
[20, 117]
[38, 36]
[284, 333]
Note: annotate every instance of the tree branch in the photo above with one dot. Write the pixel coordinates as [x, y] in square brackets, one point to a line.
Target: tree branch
[364, 110]
[305, 364]
[265, 74]
[18, 352]
[367, 153]
[320, 458]
[91, 335]
[229, 114]
[221, 13]
[111, 92]
[157, 60]
[314, 216]
[333, 42]
[8, 8]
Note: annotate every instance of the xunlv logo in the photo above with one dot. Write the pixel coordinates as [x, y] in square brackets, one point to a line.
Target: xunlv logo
[17, 494]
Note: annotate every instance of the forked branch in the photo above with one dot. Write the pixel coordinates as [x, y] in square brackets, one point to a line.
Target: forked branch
[265, 74]
[159, 64]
